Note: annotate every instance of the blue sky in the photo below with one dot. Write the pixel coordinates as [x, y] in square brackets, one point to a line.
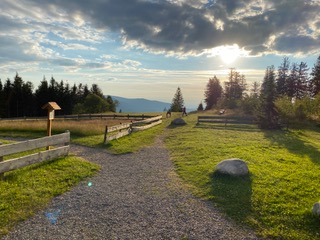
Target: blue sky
[147, 48]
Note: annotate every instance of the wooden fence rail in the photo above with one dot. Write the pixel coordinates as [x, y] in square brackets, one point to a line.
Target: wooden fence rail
[85, 116]
[226, 120]
[41, 156]
[147, 123]
[125, 129]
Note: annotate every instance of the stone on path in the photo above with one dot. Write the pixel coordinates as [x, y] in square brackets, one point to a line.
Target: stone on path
[233, 167]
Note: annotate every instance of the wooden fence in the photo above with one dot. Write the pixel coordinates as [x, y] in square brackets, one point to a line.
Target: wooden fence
[125, 129]
[85, 117]
[12, 164]
[226, 120]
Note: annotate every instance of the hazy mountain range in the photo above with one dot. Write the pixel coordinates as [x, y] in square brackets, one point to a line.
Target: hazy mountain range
[140, 105]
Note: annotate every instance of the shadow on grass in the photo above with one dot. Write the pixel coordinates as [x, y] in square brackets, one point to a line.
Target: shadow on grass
[233, 195]
[310, 223]
[293, 144]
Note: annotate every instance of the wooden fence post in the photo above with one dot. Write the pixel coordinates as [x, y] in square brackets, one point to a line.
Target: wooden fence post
[1, 159]
[105, 135]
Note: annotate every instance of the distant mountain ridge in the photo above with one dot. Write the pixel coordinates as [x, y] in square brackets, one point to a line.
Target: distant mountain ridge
[140, 105]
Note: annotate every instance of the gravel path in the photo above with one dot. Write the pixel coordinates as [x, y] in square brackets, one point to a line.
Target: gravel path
[134, 196]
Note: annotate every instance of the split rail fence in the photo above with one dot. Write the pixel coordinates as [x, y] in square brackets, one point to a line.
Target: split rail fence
[12, 164]
[226, 120]
[86, 117]
[118, 131]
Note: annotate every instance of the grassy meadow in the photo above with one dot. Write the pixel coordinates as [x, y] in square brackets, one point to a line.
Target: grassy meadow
[275, 200]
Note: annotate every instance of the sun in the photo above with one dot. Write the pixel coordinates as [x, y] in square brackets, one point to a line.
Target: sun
[228, 53]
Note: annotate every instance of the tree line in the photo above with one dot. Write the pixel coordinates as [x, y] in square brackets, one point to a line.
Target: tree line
[287, 94]
[18, 98]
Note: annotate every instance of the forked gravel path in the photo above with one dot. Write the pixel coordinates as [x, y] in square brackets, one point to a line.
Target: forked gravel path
[134, 196]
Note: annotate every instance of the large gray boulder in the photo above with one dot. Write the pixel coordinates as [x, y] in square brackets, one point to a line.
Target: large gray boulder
[233, 167]
[178, 121]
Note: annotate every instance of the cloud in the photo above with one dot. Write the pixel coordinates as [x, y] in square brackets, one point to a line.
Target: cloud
[184, 27]
[169, 27]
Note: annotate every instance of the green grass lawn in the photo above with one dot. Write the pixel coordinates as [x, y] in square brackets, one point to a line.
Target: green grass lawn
[277, 198]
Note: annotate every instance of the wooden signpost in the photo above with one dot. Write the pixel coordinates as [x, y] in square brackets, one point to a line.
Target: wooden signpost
[51, 107]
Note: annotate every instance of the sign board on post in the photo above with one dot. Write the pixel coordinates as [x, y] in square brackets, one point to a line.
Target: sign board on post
[51, 107]
[51, 115]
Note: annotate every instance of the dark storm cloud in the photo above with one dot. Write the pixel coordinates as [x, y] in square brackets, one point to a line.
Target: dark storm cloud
[186, 28]
[300, 44]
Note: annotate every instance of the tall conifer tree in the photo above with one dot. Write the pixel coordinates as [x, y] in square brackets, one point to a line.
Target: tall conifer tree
[177, 101]
[314, 86]
[268, 116]
[213, 92]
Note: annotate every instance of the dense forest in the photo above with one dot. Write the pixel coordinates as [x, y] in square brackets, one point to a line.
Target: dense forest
[289, 94]
[18, 98]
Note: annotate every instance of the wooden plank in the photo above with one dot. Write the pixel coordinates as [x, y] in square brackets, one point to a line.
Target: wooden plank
[119, 127]
[149, 120]
[227, 121]
[119, 135]
[211, 121]
[140, 128]
[226, 117]
[33, 158]
[211, 117]
[34, 144]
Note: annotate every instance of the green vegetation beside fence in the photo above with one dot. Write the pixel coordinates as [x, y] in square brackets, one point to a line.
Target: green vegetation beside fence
[25, 191]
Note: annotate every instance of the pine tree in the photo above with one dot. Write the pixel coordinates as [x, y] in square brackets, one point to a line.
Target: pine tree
[177, 101]
[268, 116]
[282, 77]
[255, 90]
[301, 85]
[42, 96]
[213, 92]
[234, 88]
[8, 97]
[95, 89]
[200, 107]
[292, 80]
[2, 101]
[314, 87]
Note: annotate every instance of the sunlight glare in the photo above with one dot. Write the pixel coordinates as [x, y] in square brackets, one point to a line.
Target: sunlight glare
[228, 53]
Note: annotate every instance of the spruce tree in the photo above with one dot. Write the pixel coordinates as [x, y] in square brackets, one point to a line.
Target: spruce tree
[177, 101]
[267, 115]
[282, 77]
[292, 80]
[301, 85]
[314, 87]
[2, 101]
[213, 92]
[200, 107]
[234, 88]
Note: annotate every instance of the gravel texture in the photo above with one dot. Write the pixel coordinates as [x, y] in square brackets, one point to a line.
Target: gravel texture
[134, 196]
